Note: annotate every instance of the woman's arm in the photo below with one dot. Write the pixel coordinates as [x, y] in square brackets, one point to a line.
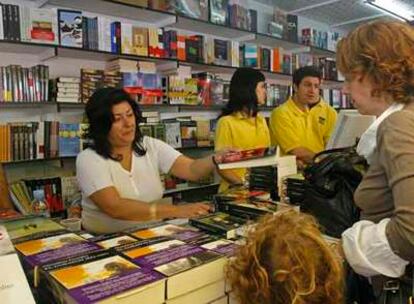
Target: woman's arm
[4, 190]
[110, 202]
[192, 169]
[230, 177]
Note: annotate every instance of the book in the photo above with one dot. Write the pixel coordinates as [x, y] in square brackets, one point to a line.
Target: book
[257, 157]
[6, 245]
[31, 227]
[36, 253]
[220, 223]
[111, 279]
[187, 267]
[49, 249]
[9, 214]
[205, 294]
[13, 282]
[70, 28]
[181, 233]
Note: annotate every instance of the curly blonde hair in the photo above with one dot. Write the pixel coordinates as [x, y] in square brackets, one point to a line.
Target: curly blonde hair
[382, 51]
[286, 260]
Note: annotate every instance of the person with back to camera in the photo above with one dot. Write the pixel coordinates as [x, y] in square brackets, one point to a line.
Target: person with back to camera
[286, 261]
[119, 175]
[240, 125]
[303, 124]
[378, 64]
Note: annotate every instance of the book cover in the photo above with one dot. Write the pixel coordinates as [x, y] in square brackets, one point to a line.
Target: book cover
[109, 277]
[219, 12]
[70, 28]
[30, 227]
[178, 232]
[116, 241]
[6, 245]
[50, 249]
[69, 139]
[188, 267]
[145, 247]
[219, 223]
[13, 282]
[222, 246]
[43, 27]
[139, 41]
[257, 157]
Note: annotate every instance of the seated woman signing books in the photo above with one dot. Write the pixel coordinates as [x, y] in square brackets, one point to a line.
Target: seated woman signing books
[240, 126]
[119, 175]
[286, 260]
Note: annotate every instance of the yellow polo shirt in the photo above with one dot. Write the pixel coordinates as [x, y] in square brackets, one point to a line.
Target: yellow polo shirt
[242, 132]
[290, 127]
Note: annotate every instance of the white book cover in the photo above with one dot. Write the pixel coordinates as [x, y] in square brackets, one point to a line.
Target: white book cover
[43, 26]
[6, 245]
[14, 287]
[126, 38]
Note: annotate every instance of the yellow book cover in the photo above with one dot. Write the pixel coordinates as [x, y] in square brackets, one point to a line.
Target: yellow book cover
[53, 242]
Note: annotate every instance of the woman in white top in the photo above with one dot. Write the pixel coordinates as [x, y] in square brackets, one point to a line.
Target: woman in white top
[119, 175]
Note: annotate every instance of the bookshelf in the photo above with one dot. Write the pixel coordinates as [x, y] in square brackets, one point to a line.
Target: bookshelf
[47, 52]
[54, 55]
[150, 16]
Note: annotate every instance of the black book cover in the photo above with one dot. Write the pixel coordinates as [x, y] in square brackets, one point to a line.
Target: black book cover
[292, 28]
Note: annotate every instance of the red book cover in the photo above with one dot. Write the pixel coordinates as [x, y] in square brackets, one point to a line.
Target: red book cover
[248, 154]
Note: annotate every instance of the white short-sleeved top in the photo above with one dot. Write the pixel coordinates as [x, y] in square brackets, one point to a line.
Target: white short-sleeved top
[143, 182]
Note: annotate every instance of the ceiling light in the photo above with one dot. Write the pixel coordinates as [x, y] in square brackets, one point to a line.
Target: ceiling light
[393, 8]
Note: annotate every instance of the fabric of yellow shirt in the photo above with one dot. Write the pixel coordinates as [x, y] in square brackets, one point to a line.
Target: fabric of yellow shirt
[290, 127]
[242, 132]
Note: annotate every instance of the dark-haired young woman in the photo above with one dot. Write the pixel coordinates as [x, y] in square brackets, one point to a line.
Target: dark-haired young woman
[119, 175]
[240, 126]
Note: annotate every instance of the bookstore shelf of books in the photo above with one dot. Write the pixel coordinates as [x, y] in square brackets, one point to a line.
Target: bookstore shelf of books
[176, 20]
[147, 15]
[49, 51]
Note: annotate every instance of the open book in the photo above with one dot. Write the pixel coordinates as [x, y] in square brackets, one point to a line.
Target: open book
[257, 157]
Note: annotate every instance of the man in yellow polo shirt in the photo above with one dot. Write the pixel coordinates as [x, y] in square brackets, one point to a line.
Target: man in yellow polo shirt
[303, 124]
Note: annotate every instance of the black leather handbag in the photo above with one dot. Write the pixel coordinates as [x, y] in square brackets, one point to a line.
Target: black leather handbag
[398, 291]
[330, 184]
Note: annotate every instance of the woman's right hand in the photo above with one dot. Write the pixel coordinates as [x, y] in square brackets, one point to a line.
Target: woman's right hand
[192, 210]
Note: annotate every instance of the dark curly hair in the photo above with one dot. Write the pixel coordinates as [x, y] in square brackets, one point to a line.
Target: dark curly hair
[242, 93]
[99, 113]
[286, 261]
[383, 52]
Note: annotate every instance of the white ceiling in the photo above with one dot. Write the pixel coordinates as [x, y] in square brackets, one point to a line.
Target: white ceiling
[342, 14]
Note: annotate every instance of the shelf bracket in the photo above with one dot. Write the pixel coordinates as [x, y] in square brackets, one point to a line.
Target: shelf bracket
[48, 54]
[41, 3]
[169, 20]
[245, 38]
[301, 49]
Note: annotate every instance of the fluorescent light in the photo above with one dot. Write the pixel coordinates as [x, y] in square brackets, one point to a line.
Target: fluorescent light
[393, 8]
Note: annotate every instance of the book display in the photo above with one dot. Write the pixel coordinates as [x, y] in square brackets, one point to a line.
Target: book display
[175, 60]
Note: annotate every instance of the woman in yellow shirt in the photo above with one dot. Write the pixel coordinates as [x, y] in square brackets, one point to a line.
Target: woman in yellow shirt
[240, 126]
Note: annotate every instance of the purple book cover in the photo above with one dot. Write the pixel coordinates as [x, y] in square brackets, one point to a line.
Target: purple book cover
[93, 292]
[222, 246]
[177, 259]
[61, 253]
[103, 278]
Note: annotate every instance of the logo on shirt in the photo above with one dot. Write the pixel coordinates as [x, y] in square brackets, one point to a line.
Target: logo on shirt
[322, 120]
